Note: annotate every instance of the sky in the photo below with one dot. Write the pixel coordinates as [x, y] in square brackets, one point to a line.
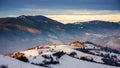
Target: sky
[66, 11]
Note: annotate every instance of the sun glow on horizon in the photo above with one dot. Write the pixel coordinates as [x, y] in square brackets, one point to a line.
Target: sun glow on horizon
[82, 18]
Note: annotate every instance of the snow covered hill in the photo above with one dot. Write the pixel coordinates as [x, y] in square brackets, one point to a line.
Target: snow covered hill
[82, 54]
[8, 62]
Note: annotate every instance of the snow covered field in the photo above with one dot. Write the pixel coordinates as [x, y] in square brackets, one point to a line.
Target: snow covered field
[57, 56]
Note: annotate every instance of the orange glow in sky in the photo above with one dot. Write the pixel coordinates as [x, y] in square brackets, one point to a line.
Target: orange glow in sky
[81, 18]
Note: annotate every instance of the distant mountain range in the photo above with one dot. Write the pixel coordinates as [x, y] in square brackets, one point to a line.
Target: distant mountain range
[19, 33]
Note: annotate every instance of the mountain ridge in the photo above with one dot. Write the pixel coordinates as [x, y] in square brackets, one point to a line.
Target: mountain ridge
[22, 33]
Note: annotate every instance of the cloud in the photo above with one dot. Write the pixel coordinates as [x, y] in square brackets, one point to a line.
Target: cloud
[83, 18]
[94, 35]
[38, 11]
[114, 43]
[69, 11]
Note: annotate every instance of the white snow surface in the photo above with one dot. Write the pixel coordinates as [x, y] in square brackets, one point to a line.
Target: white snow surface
[14, 63]
[64, 62]
[69, 62]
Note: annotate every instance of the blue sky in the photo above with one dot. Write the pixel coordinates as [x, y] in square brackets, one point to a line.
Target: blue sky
[13, 6]
[61, 4]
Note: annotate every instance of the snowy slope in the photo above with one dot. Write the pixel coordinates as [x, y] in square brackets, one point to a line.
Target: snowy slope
[69, 62]
[13, 63]
[64, 56]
